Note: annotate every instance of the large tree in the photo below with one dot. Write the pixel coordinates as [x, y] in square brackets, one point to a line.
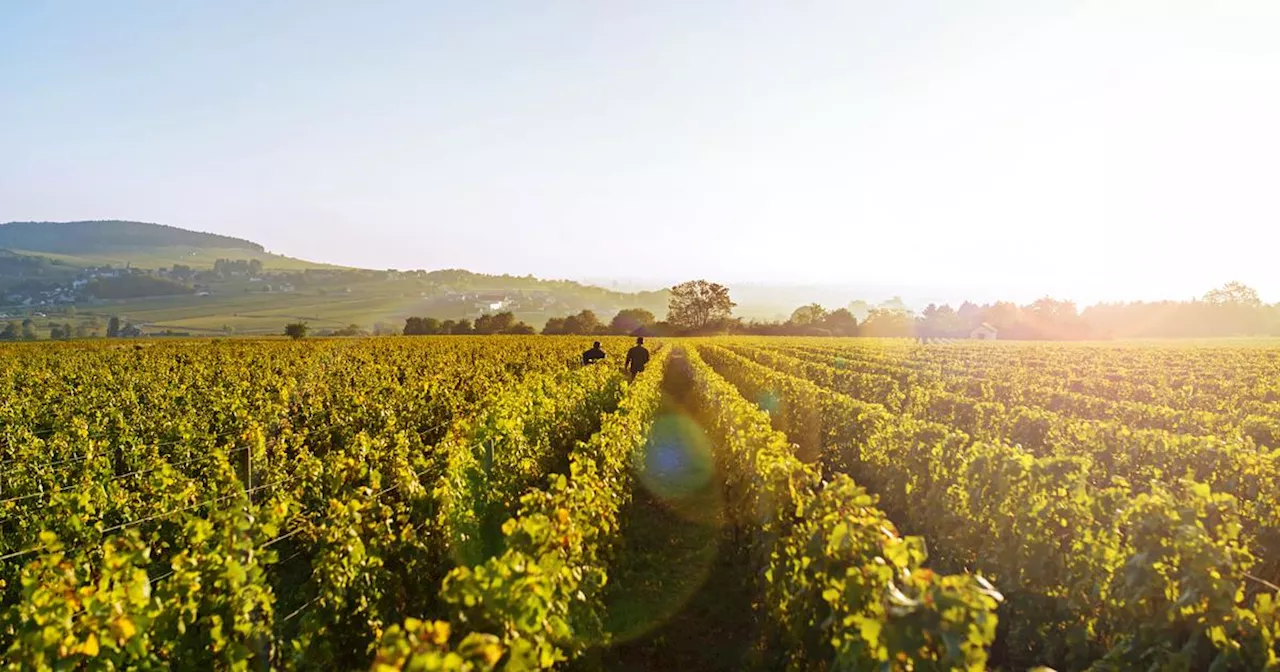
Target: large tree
[841, 322]
[584, 323]
[888, 322]
[1234, 294]
[495, 324]
[697, 304]
[631, 321]
[940, 322]
[810, 314]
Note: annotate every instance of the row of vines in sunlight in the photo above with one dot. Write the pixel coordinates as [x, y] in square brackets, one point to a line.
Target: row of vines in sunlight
[460, 503]
[297, 505]
[1124, 500]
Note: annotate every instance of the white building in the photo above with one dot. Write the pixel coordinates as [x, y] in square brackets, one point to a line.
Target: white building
[984, 332]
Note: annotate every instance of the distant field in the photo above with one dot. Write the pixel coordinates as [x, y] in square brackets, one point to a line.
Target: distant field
[267, 313]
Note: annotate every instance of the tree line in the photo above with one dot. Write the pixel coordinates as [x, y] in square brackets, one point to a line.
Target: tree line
[701, 307]
[498, 323]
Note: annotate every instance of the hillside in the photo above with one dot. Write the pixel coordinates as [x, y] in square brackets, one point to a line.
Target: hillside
[164, 278]
[139, 244]
[92, 237]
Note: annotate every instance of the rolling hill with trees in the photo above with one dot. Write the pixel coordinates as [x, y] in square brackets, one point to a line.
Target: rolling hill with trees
[165, 279]
[72, 278]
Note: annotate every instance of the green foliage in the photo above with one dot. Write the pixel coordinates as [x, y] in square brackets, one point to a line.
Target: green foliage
[456, 504]
[135, 286]
[584, 323]
[840, 585]
[423, 646]
[1043, 470]
[296, 330]
[698, 305]
[888, 323]
[631, 322]
[130, 540]
[542, 593]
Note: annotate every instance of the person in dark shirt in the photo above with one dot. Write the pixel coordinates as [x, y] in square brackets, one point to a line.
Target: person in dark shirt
[593, 355]
[637, 357]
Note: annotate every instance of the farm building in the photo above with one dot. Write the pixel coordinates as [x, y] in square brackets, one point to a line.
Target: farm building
[984, 332]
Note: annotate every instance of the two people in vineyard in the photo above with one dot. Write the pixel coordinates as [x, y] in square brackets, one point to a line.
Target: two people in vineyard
[637, 356]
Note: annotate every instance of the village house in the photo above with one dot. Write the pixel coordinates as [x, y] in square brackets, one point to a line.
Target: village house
[984, 332]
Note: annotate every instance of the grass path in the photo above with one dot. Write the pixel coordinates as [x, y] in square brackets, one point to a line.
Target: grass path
[679, 595]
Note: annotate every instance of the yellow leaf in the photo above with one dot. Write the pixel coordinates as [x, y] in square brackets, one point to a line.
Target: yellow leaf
[90, 646]
[440, 633]
[125, 628]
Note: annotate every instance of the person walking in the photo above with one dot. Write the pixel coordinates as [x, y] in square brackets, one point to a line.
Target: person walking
[637, 357]
[593, 355]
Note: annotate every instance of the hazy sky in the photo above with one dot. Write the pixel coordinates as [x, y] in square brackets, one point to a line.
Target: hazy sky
[1084, 149]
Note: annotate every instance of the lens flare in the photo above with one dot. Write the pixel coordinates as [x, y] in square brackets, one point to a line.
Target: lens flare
[678, 468]
[674, 529]
[769, 401]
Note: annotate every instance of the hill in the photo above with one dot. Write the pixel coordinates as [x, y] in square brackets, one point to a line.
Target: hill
[165, 278]
[140, 244]
[92, 237]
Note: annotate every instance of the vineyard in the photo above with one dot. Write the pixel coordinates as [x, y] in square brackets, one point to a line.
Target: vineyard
[476, 503]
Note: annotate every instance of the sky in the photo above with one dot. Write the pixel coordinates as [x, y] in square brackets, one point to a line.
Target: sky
[1088, 150]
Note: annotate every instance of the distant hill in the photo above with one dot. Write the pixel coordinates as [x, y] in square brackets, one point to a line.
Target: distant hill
[52, 270]
[91, 237]
[141, 244]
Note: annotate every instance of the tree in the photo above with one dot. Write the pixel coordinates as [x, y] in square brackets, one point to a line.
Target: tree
[553, 327]
[970, 315]
[584, 323]
[888, 323]
[422, 326]
[631, 321]
[697, 304]
[1049, 318]
[1234, 294]
[113, 327]
[1003, 315]
[859, 309]
[11, 332]
[295, 330]
[810, 314]
[895, 303]
[28, 330]
[841, 322]
[495, 324]
[940, 322]
[520, 328]
[462, 328]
